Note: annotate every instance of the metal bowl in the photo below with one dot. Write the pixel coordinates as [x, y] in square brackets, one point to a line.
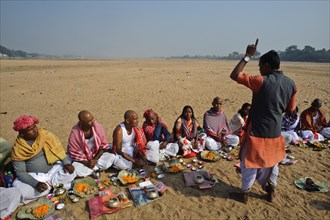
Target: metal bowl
[113, 202]
[199, 179]
[59, 191]
[152, 194]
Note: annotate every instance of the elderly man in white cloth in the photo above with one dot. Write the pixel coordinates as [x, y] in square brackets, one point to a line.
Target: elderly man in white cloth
[88, 147]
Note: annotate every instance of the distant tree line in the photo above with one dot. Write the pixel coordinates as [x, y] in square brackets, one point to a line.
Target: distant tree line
[292, 53]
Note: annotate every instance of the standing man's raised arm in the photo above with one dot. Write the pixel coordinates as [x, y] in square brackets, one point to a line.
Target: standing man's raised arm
[250, 51]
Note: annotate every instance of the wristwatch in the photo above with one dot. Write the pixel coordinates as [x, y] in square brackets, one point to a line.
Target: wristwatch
[246, 59]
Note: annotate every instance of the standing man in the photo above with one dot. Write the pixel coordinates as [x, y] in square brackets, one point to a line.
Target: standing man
[263, 147]
[88, 147]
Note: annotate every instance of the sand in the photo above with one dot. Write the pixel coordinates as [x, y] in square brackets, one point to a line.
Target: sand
[56, 90]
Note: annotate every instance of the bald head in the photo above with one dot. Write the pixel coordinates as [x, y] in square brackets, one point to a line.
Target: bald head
[217, 104]
[128, 114]
[131, 118]
[86, 119]
[316, 105]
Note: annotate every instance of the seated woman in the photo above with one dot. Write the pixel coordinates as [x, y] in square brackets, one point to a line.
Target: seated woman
[185, 132]
[158, 138]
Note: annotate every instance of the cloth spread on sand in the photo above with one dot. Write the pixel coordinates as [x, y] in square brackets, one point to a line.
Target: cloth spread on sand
[45, 141]
[78, 148]
[307, 122]
[189, 178]
[311, 184]
[98, 205]
[215, 122]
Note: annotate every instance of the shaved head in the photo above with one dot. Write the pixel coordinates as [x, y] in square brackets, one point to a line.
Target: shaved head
[128, 114]
[86, 119]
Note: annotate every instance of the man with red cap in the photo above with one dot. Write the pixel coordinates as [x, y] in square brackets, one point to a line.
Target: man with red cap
[39, 159]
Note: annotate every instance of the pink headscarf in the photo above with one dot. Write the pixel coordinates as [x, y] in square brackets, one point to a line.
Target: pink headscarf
[24, 121]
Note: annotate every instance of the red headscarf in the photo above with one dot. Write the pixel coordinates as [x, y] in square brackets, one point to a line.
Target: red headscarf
[24, 121]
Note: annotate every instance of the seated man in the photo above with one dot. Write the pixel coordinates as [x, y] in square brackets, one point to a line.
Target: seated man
[313, 123]
[129, 142]
[88, 145]
[39, 159]
[158, 137]
[237, 123]
[216, 127]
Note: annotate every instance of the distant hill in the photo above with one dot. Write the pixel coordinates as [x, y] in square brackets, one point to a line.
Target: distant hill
[17, 53]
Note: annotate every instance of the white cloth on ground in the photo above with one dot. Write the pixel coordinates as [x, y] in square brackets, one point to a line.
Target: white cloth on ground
[9, 200]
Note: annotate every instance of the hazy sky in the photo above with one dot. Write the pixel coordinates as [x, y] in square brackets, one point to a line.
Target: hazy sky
[144, 29]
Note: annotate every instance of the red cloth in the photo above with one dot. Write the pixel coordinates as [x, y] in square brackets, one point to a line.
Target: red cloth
[77, 147]
[140, 139]
[98, 205]
[24, 121]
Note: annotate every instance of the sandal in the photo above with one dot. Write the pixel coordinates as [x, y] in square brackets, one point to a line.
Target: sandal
[311, 186]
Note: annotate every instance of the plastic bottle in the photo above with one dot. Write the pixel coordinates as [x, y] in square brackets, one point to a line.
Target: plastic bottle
[9, 179]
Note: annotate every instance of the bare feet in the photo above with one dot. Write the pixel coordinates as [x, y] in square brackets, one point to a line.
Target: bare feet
[240, 197]
[271, 196]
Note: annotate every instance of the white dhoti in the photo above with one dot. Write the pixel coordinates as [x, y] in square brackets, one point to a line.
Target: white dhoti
[154, 154]
[55, 176]
[211, 144]
[103, 163]
[10, 199]
[232, 140]
[308, 134]
[122, 164]
[264, 176]
[325, 132]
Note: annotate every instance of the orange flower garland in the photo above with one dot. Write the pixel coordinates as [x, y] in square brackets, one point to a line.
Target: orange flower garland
[41, 210]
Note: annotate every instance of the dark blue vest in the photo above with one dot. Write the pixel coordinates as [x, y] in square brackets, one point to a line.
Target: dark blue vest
[269, 104]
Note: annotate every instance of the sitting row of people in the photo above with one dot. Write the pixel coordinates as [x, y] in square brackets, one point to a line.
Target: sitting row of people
[40, 161]
[311, 124]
